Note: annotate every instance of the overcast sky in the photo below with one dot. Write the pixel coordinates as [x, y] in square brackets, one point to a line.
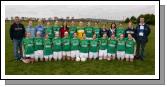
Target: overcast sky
[116, 12]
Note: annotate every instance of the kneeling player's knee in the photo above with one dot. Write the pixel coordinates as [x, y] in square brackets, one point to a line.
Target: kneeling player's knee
[77, 59]
[100, 58]
[83, 59]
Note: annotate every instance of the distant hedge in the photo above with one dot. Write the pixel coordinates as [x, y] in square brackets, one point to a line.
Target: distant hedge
[149, 19]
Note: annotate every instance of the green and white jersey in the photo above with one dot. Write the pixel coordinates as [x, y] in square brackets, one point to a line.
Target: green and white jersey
[56, 28]
[121, 44]
[47, 47]
[96, 30]
[72, 30]
[75, 44]
[94, 45]
[38, 43]
[119, 31]
[102, 44]
[49, 31]
[66, 43]
[130, 45]
[28, 45]
[89, 32]
[57, 44]
[112, 44]
[84, 46]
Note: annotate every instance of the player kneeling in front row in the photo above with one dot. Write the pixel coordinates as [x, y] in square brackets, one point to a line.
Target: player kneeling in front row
[111, 49]
[93, 52]
[103, 47]
[75, 48]
[84, 48]
[48, 54]
[57, 47]
[38, 44]
[121, 47]
[130, 48]
[28, 49]
[66, 47]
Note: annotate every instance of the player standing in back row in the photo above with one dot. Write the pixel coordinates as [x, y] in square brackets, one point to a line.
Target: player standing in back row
[40, 28]
[56, 27]
[80, 30]
[49, 30]
[72, 29]
[96, 30]
[89, 31]
[120, 31]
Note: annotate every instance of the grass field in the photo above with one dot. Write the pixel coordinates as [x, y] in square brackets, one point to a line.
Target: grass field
[138, 67]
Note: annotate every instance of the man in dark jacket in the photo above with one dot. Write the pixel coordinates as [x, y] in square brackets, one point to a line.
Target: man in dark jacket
[17, 32]
[141, 33]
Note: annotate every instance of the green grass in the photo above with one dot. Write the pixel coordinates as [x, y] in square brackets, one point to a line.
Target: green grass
[138, 67]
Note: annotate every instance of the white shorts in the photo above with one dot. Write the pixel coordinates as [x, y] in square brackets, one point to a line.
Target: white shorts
[102, 53]
[66, 53]
[29, 55]
[48, 56]
[131, 56]
[120, 54]
[110, 54]
[93, 55]
[38, 54]
[57, 55]
[75, 53]
[83, 56]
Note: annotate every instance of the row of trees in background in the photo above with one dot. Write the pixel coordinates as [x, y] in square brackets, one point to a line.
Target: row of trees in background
[149, 19]
[51, 19]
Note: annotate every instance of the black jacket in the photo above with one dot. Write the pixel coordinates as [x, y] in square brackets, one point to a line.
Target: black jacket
[103, 31]
[17, 31]
[130, 31]
[146, 32]
[110, 32]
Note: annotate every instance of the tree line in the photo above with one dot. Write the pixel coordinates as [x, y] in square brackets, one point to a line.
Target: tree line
[149, 19]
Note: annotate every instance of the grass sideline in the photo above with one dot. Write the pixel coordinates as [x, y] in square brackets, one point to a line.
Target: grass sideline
[146, 67]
